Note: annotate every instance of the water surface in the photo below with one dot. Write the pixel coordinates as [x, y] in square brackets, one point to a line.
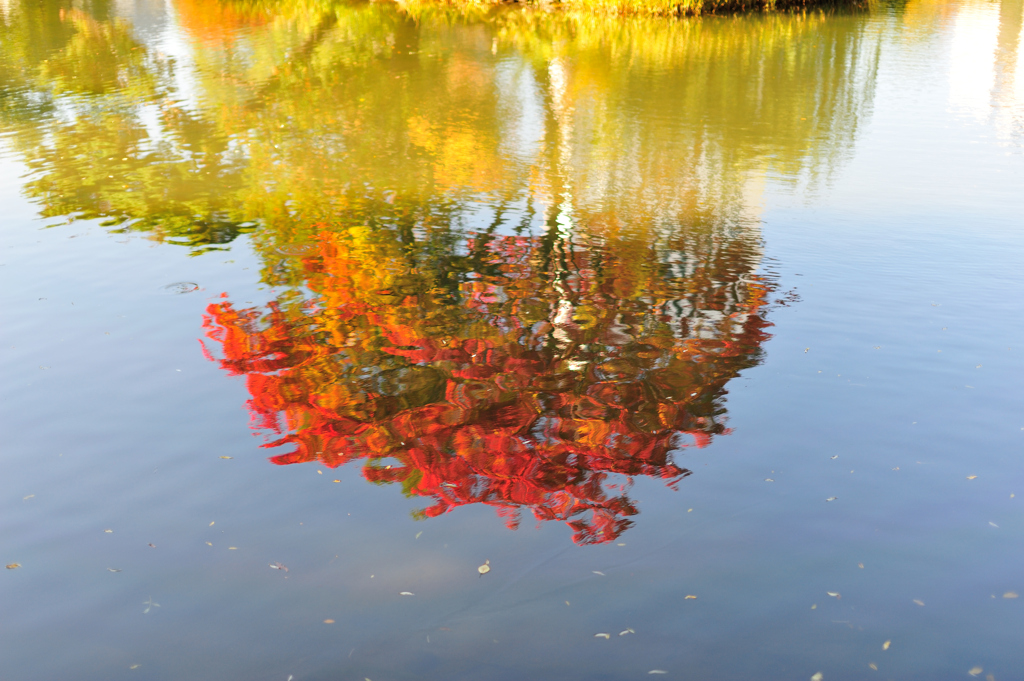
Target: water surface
[702, 335]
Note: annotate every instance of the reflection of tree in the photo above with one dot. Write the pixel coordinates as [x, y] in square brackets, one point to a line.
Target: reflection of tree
[296, 111]
[543, 375]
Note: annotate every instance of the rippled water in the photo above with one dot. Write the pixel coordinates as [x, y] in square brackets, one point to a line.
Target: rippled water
[703, 336]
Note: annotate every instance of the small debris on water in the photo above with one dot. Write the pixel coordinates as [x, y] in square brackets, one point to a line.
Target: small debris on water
[227, 457]
[885, 646]
[152, 546]
[328, 621]
[919, 602]
[108, 531]
[768, 480]
[835, 456]
[603, 635]
[113, 570]
[974, 671]
[817, 677]
[831, 498]
[485, 568]
[690, 597]
[1010, 594]
[873, 666]
[276, 566]
[13, 566]
[406, 593]
[834, 594]
[598, 572]
[992, 524]
[418, 534]
[971, 477]
[28, 497]
[627, 631]
[180, 287]
[860, 565]
[657, 671]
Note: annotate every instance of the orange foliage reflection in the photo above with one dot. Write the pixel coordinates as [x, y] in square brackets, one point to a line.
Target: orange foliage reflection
[542, 376]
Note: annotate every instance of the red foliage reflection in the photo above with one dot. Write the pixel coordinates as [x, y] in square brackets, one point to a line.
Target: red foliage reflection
[539, 378]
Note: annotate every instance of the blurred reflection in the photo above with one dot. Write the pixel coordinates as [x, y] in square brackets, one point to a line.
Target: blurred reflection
[533, 373]
[223, 117]
[519, 248]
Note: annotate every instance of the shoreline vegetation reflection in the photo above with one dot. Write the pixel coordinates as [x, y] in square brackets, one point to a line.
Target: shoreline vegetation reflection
[519, 250]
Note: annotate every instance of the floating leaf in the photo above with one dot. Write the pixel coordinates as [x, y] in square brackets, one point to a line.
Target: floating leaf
[602, 635]
[134, 666]
[418, 534]
[971, 477]
[860, 565]
[598, 572]
[818, 676]
[210, 525]
[484, 569]
[108, 531]
[814, 607]
[627, 631]
[885, 646]
[873, 666]
[974, 671]
[1010, 594]
[227, 457]
[232, 548]
[689, 596]
[328, 621]
[13, 566]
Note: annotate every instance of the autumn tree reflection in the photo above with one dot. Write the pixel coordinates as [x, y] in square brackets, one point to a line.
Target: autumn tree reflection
[533, 374]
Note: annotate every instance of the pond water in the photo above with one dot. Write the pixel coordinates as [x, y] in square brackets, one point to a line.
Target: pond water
[363, 341]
